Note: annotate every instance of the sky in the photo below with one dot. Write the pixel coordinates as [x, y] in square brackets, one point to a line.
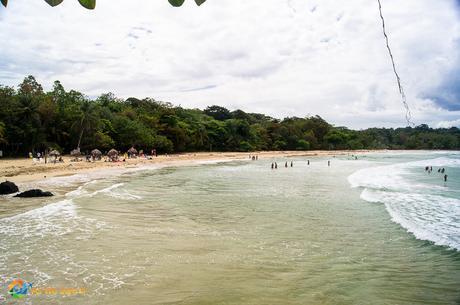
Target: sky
[277, 57]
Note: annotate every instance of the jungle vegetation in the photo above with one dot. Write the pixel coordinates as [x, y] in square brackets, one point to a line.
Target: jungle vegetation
[34, 120]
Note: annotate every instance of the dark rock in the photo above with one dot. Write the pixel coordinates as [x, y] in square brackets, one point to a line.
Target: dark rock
[8, 187]
[34, 193]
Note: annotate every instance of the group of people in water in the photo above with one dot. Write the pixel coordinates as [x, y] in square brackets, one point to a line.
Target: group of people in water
[275, 165]
[286, 164]
[429, 169]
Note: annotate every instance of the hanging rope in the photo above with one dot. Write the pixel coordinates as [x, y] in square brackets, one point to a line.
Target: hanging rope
[291, 7]
[398, 79]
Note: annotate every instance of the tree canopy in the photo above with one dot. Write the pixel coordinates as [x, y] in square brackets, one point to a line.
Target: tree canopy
[32, 119]
[91, 4]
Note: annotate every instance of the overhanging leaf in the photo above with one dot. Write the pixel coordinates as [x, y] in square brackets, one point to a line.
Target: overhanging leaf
[4, 2]
[54, 2]
[200, 2]
[176, 2]
[89, 4]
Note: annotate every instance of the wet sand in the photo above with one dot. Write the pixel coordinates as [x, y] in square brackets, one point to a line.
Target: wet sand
[26, 170]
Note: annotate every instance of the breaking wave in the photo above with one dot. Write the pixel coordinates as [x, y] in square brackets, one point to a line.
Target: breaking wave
[428, 210]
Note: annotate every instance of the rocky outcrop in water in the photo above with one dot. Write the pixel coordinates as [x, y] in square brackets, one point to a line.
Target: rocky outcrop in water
[8, 187]
[34, 193]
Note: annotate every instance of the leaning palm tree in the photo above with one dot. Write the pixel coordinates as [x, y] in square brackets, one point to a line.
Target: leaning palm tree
[88, 119]
[2, 133]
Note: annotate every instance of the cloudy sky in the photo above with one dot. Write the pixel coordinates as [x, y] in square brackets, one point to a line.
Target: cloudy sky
[279, 57]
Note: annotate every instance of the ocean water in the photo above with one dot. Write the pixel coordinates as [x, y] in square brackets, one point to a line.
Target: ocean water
[377, 230]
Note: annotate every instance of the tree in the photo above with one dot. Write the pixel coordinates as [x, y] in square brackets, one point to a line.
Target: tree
[88, 119]
[217, 112]
[31, 119]
[3, 133]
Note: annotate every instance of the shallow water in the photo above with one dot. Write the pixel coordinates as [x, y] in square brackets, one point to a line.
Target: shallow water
[363, 231]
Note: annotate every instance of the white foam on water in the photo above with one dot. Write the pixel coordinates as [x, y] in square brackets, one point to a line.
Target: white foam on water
[431, 217]
[106, 190]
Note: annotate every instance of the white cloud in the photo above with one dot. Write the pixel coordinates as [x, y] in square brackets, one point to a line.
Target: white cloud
[282, 58]
[448, 124]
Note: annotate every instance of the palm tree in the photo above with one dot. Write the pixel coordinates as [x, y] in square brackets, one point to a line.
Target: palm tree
[88, 119]
[2, 133]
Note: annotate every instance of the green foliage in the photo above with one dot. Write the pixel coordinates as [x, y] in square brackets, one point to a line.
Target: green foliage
[176, 2]
[54, 2]
[91, 4]
[218, 113]
[180, 2]
[32, 119]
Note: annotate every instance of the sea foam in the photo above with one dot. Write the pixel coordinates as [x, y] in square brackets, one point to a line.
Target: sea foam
[419, 207]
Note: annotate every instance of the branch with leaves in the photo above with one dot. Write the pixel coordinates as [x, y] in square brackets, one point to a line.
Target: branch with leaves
[91, 4]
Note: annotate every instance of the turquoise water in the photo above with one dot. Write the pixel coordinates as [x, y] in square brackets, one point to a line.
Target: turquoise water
[377, 230]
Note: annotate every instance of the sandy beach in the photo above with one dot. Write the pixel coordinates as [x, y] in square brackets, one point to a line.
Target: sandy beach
[25, 170]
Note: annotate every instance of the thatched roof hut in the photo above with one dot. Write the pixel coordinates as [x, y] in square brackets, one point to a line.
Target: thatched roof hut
[132, 151]
[54, 153]
[96, 153]
[75, 153]
[112, 153]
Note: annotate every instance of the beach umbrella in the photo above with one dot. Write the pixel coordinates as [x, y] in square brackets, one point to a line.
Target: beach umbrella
[112, 153]
[54, 153]
[96, 153]
[75, 152]
[132, 151]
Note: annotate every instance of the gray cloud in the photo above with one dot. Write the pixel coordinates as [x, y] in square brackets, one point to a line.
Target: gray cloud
[281, 58]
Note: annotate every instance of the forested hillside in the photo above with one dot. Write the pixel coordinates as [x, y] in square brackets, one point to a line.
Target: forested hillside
[31, 120]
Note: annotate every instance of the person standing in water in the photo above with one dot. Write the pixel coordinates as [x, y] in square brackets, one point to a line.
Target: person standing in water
[308, 162]
[273, 165]
[285, 164]
[445, 178]
[292, 164]
[328, 163]
[276, 165]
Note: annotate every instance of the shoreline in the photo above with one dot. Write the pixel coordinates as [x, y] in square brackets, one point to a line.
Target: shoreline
[24, 170]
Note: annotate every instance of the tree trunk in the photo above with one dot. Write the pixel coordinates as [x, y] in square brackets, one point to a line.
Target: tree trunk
[81, 133]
